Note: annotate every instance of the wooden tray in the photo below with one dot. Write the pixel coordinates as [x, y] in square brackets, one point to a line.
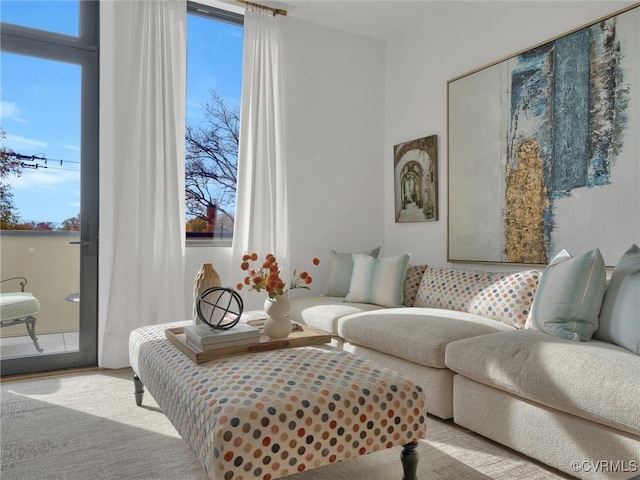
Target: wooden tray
[300, 337]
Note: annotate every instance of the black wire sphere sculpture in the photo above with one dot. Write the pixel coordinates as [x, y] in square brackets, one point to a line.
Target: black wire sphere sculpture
[219, 307]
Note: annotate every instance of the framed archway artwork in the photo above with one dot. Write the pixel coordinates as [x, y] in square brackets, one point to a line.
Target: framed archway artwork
[415, 166]
[543, 149]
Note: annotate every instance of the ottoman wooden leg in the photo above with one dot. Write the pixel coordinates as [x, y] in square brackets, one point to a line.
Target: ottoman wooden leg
[409, 458]
[139, 390]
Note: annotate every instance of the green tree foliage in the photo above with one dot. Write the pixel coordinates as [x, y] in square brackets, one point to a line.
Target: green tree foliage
[9, 165]
[197, 225]
[71, 224]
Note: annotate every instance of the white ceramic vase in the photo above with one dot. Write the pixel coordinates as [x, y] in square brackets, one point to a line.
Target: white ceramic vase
[277, 325]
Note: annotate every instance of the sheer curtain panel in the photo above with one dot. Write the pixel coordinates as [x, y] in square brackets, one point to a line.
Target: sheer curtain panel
[144, 277]
[261, 204]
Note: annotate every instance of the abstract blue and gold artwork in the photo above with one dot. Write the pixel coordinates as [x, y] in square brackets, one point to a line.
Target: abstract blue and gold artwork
[543, 149]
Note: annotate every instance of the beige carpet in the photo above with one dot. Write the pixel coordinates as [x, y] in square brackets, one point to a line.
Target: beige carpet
[87, 426]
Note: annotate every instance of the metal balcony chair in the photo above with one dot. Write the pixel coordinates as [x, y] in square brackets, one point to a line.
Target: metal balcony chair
[19, 307]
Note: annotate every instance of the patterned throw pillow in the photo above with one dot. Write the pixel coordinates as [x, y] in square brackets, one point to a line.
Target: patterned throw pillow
[412, 283]
[502, 296]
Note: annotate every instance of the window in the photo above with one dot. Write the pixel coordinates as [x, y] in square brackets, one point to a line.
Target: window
[49, 84]
[50, 177]
[47, 15]
[214, 83]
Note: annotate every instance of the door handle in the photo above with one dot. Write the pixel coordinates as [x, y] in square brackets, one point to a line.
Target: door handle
[81, 243]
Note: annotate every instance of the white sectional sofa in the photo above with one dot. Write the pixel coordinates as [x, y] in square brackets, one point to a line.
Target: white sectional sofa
[512, 355]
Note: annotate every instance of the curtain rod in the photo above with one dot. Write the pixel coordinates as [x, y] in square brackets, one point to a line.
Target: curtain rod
[276, 11]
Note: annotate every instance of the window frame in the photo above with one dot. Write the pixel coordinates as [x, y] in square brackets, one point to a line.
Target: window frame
[82, 50]
[233, 18]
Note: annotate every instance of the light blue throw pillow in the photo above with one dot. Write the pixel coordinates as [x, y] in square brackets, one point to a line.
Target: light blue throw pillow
[378, 281]
[620, 312]
[340, 272]
[569, 296]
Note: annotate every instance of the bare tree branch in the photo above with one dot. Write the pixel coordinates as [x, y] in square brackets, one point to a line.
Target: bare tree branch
[211, 163]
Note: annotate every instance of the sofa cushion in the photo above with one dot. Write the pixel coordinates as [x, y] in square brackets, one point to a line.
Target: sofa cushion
[570, 295]
[340, 272]
[502, 296]
[379, 281]
[323, 312]
[594, 380]
[412, 283]
[619, 320]
[419, 335]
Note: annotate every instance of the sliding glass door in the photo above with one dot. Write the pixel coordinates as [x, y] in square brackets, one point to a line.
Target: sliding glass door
[49, 236]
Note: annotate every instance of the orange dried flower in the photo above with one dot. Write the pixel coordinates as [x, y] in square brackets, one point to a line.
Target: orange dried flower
[268, 276]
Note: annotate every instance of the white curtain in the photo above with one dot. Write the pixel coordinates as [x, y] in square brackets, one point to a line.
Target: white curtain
[261, 203]
[146, 242]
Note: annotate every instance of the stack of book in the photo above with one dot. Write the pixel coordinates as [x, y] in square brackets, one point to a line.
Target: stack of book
[204, 338]
[255, 318]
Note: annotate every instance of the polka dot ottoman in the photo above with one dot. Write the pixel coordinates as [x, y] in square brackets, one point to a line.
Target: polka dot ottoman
[271, 414]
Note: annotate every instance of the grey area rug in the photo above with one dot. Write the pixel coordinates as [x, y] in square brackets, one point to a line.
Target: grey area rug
[87, 426]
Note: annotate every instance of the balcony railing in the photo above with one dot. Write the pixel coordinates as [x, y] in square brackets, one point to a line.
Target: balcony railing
[51, 266]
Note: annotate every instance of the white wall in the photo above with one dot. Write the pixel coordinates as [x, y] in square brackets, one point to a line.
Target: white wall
[334, 110]
[458, 38]
[334, 115]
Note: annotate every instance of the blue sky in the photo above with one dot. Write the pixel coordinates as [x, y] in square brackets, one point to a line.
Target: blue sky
[40, 102]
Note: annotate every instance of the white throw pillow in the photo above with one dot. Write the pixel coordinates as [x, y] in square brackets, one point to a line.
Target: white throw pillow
[378, 281]
[340, 272]
[620, 312]
[569, 296]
